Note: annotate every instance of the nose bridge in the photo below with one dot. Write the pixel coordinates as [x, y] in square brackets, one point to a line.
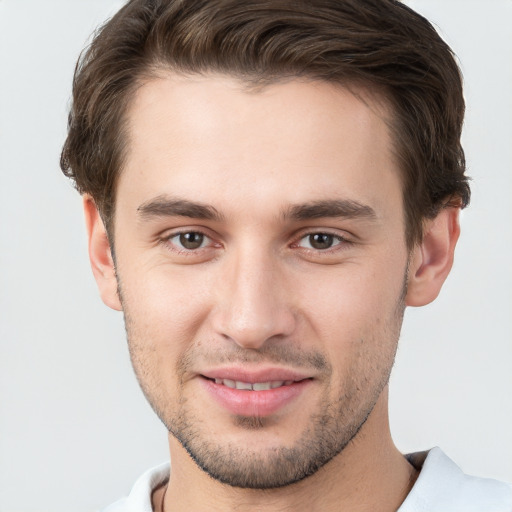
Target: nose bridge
[253, 306]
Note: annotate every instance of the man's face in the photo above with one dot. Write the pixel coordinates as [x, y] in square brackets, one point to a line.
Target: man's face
[260, 245]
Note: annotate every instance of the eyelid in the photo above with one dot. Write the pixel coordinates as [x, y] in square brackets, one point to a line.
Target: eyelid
[345, 241]
[167, 236]
[336, 238]
[347, 237]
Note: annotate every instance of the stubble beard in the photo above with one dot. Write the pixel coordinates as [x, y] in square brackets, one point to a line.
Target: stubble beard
[329, 430]
[325, 437]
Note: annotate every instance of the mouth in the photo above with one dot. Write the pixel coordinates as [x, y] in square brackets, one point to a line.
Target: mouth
[253, 386]
[251, 394]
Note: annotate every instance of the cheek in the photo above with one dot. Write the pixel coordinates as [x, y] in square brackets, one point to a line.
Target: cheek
[166, 296]
[356, 312]
[162, 315]
[164, 311]
[352, 294]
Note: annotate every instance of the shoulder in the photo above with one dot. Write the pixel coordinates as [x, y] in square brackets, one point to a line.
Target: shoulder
[443, 487]
[139, 499]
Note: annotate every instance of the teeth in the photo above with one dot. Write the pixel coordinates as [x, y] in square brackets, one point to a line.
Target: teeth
[257, 386]
[262, 386]
[243, 385]
[229, 383]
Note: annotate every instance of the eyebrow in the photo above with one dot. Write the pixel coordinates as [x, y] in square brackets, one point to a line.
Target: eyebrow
[336, 208]
[164, 206]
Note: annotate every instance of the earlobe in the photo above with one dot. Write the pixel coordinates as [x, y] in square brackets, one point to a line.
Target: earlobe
[100, 255]
[432, 259]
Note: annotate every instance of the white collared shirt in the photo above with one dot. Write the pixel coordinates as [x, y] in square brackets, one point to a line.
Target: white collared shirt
[440, 487]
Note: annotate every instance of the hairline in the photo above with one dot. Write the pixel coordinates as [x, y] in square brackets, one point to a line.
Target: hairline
[374, 96]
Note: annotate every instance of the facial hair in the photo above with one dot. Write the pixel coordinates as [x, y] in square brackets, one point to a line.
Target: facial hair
[335, 422]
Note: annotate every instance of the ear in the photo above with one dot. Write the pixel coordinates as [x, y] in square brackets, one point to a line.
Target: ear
[100, 255]
[432, 259]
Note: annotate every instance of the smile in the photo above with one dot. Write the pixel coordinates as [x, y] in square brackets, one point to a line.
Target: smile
[253, 386]
[254, 393]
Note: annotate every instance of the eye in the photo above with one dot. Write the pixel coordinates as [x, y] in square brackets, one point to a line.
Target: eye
[190, 240]
[320, 241]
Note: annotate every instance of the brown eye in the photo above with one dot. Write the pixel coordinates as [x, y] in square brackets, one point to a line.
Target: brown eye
[321, 241]
[191, 240]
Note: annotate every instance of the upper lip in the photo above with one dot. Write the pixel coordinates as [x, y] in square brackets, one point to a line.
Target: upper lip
[252, 376]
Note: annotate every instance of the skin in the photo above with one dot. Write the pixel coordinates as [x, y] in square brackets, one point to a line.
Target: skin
[257, 292]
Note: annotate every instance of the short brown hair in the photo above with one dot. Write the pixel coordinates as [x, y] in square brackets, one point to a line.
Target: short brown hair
[379, 43]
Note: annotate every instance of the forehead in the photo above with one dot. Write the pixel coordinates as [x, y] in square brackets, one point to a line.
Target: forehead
[214, 140]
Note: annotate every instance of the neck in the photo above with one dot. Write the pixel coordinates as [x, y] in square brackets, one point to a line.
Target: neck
[369, 474]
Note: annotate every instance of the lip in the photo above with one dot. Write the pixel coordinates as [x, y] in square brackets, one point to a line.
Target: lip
[256, 375]
[254, 403]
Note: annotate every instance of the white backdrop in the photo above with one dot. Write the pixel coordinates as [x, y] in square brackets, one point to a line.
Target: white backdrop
[75, 431]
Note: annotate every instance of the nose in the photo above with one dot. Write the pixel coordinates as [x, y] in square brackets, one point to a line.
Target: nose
[253, 301]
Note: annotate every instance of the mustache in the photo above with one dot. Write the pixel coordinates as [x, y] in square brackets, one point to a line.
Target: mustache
[274, 353]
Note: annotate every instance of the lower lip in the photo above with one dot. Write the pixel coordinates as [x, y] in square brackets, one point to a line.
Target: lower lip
[254, 403]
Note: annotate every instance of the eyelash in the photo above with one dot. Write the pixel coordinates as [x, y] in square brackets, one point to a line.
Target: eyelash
[342, 241]
[166, 241]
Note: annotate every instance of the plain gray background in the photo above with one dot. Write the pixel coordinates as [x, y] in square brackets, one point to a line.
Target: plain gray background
[75, 431]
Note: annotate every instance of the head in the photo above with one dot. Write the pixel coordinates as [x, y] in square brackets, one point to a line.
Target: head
[380, 44]
[280, 179]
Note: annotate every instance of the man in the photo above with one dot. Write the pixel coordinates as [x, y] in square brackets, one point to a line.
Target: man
[267, 186]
